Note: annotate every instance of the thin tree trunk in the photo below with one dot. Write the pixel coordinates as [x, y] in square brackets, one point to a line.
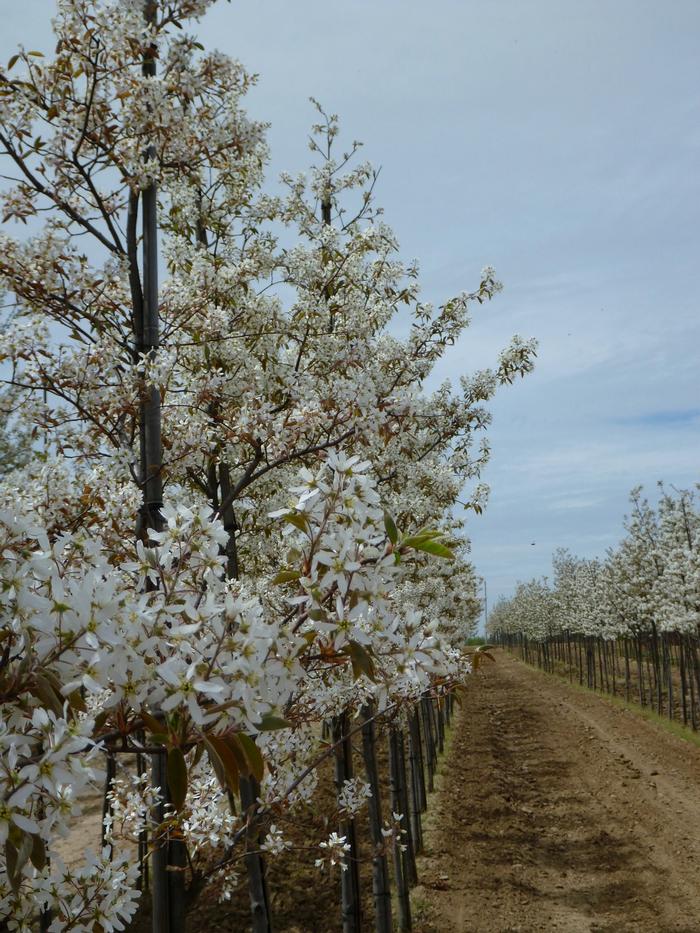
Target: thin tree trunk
[690, 652]
[656, 661]
[684, 679]
[580, 660]
[640, 670]
[695, 664]
[603, 656]
[45, 915]
[168, 885]
[401, 855]
[669, 675]
[229, 520]
[414, 801]
[429, 743]
[160, 897]
[110, 774]
[650, 679]
[257, 886]
[416, 757]
[261, 914]
[350, 877]
[613, 664]
[380, 872]
[410, 868]
[144, 880]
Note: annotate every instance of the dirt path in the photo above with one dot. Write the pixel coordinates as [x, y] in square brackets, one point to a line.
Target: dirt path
[559, 811]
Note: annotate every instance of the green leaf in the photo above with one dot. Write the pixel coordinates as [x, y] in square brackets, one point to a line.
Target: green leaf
[55, 683]
[223, 761]
[428, 533]
[100, 720]
[298, 519]
[270, 722]
[252, 754]
[361, 660]
[18, 849]
[38, 853]
[198, 752]
[286, 576]
[437, 549]
[11, 865]
[391, 529]
[12, 62]
[150, 722]
[420, 536]
[44, 691]
[232, 743]
[479, 654]
[177, 777]
[429, 545]
[76, 702]
[216, 763]
[160, 738]
[413, 540]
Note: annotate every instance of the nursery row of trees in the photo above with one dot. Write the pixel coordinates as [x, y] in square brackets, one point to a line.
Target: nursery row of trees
[628, 624]
[231, 541]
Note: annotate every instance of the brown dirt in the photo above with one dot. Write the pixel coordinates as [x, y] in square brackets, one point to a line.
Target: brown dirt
[560, 811]
[86, 834]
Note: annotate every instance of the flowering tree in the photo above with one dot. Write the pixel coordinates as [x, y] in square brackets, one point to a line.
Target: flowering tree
[650, 581]
[645, 596]
[309, 480]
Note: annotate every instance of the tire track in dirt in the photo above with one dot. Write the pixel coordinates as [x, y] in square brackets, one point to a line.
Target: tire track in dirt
[558, 811]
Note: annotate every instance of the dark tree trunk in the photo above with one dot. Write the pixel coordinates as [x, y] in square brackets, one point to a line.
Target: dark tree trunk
[257, 886]
[349, 878]
[380, 872]
[401, 858]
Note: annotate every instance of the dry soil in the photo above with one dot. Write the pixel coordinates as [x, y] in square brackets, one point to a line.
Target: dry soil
[560, 811]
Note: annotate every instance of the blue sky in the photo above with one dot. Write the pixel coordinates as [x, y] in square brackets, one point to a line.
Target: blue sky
[557, 140]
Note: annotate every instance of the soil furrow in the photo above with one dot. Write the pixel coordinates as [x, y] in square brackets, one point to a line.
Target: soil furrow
[560, 811]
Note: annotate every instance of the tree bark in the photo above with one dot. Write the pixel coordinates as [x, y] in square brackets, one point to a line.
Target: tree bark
[399, 804]
[380, 872]
[349, 878]
[257, 886]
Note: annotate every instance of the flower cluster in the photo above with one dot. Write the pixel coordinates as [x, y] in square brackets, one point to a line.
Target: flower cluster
[335, 850]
